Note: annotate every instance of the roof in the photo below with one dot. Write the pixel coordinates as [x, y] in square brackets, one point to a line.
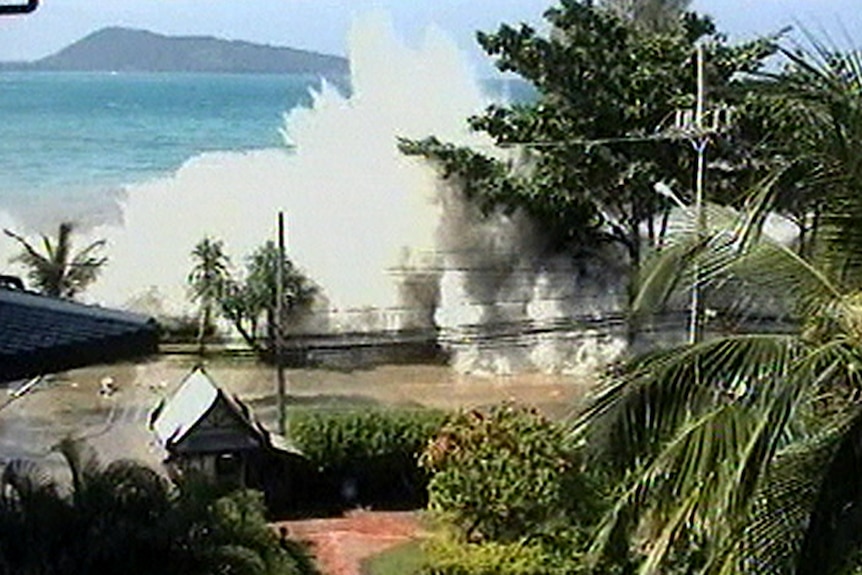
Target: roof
[177, 422]
[192, 400]
[41, 334]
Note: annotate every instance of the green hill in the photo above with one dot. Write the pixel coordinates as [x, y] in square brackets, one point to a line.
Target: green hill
[127, 50]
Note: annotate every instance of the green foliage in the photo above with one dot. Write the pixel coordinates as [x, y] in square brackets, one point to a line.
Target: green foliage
[124, 518]
[376, 451]
[606, 85]
[238, 540]
[208, 281]
[57, 272]
[184, 329]
[252, 301]
[448, 554]
[505, 475]
[740, 454]
[332, 439]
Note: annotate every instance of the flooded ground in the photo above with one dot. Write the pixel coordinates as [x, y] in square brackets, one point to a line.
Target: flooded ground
[70, 404]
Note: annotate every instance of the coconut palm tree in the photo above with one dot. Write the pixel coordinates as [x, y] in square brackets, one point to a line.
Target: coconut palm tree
[742, 453]
[56, 271]
[208, 281]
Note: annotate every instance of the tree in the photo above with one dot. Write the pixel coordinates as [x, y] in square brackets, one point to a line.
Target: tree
[57, 272]
[741, 454]
[208, 281]
[254, 299]
[594, 138]
[124, 517]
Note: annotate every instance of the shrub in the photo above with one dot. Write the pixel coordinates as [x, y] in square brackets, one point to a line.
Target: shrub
[500, 475]
[447, 554]
[239, 540]
[183, 329]
[368, 456]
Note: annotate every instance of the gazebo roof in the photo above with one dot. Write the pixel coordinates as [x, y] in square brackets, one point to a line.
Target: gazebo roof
[178, 421]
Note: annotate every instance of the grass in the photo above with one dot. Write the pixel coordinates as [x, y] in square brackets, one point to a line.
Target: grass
[404, 559]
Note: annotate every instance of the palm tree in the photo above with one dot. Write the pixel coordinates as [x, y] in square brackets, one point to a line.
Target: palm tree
[742, 453]
[208, 282]
[124, 517]
[57, 272]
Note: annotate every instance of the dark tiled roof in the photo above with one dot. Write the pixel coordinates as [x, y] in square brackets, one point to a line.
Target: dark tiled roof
[40, 334]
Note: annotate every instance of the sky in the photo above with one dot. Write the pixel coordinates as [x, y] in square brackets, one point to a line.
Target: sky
[322, 25]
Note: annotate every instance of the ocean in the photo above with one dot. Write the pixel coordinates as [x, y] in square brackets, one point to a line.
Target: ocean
[68, 135]
[155, 162]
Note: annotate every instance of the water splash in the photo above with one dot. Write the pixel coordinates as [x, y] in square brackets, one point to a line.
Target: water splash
[391, 245]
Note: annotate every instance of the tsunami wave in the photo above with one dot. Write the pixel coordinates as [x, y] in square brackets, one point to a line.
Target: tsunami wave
[390, 244]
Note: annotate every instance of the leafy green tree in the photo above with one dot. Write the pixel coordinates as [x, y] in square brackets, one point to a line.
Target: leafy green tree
[253, 301]
[741, 454]
[57, 271]
[595, 140]
[208, 281]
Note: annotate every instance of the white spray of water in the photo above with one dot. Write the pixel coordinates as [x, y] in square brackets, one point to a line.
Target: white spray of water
[356, 207]
[390, 244]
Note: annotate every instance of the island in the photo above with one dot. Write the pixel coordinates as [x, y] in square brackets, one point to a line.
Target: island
[128, 50]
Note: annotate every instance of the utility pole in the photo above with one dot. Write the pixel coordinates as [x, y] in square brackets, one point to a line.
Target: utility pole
[279, 333]
[698, 126]
[700, 142]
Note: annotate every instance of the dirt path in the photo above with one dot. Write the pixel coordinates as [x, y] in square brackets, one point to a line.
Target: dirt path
[340, 545]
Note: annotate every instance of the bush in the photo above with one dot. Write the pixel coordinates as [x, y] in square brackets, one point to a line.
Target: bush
[511, 496]
[447, 554]
[239, 540]
[126, 519]
[500, 475]
[369, 456]
[184, 329]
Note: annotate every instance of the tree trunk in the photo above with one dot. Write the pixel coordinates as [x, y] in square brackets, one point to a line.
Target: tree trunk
[203, 324]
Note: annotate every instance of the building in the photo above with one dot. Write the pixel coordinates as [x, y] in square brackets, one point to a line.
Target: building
[210, 433]
[41, 334]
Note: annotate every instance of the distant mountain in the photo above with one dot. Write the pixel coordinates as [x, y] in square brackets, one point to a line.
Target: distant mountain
[127, 50]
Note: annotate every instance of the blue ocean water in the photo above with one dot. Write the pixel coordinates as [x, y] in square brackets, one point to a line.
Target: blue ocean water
[75, 137]
[68, 133]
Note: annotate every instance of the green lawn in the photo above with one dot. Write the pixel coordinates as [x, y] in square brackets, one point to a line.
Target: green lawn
[404, 559]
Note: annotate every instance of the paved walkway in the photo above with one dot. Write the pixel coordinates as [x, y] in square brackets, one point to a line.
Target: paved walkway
[341, 544]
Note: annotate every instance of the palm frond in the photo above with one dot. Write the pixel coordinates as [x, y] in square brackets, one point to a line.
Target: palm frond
[82, 461]
[776, 271]
[650, 397]
[834, 529]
